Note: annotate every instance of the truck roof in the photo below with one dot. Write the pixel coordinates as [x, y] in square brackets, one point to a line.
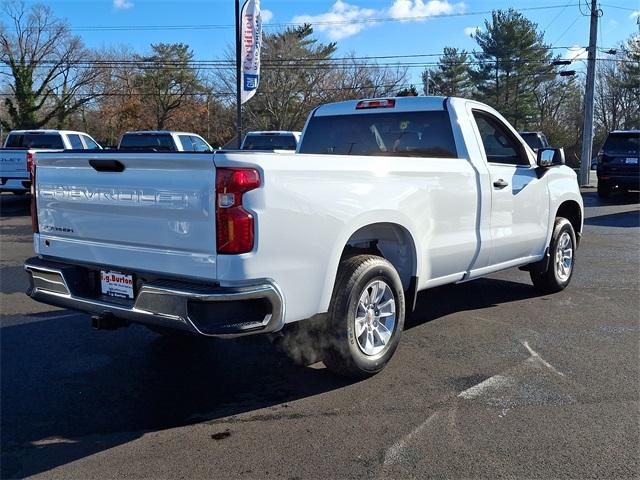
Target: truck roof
[401, 104]
[48, 130]
[626, 131]
[158, 132]
[274, 132]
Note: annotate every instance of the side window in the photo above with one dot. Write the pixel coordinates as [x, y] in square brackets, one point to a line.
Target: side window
[185, 140]
[75, 142]
[499, 144]
[200, 145]
[88, 141]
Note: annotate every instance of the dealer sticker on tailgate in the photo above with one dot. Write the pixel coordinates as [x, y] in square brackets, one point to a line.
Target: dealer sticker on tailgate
[116, 284]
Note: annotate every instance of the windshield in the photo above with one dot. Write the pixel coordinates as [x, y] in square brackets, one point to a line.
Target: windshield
[35, 140]
[147, 142]
[533, 140]
[414, 134]
[269, 142]
[622, 143]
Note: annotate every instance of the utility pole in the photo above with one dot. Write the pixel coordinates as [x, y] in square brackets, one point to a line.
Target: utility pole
[238, 78]
[587, 126]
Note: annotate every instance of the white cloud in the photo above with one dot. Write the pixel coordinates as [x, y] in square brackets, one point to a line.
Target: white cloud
[635, 14]
[471, 31]
[576, 53]
[344, 20]
[420, 8]
[122, 4]
[267, 15]
[334, 22]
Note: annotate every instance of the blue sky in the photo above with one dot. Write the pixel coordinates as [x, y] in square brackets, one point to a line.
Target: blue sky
[410, 30]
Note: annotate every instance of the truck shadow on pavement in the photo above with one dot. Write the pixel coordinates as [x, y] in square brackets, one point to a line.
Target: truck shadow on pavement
[621, 220]
[69, 392]
[15, 205]
[476, 295]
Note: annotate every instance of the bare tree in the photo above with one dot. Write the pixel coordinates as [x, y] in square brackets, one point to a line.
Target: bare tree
[46, 74]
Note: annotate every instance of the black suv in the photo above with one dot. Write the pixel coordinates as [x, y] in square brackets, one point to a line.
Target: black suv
[619, 162]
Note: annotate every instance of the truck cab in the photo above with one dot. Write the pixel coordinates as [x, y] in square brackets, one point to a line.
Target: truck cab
[163, 141]
[269, 141]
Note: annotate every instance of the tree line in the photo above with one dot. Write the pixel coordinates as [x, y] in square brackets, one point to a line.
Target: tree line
[51, 79]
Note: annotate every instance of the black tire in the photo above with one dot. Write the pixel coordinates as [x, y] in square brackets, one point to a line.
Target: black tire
[343, 353]
[604, 189]
[551, 280]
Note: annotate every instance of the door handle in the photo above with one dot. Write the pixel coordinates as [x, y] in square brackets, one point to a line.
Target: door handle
[500, 183]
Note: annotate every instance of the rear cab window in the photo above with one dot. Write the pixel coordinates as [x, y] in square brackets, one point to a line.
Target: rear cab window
[397, 134]
[151, 141]
[35, 140]
[269, 142]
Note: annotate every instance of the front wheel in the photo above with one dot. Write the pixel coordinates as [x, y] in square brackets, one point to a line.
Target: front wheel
[562, 251]
[366, 317]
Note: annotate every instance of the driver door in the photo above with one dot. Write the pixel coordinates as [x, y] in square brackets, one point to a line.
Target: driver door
[519, 200]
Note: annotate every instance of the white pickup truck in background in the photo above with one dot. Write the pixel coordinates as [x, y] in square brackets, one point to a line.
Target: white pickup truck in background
[20, 147]
[269, 141]
[384, 198]
[163, 141]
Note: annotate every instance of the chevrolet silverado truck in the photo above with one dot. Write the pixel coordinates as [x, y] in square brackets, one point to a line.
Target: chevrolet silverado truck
[163, 140]
[384, 198]
[20, 147]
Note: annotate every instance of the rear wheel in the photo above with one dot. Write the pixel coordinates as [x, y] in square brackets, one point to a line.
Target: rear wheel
[562, 250]
[604, 189]
[366, 317]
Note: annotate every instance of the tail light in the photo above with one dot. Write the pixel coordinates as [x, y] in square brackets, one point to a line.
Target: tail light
[234, 225]
[31, 167]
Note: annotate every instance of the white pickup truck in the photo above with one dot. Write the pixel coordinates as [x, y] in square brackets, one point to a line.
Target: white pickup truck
[20, 147]
[383, 198]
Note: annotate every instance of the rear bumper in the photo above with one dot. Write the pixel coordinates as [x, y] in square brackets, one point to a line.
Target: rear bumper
[214, 311]
[621, 179]
[15, 184]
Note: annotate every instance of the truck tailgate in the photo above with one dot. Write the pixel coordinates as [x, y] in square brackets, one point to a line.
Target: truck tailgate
[150, 212]
[13, 164]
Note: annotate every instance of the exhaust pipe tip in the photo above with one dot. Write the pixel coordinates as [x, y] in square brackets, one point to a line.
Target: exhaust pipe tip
[107, 321]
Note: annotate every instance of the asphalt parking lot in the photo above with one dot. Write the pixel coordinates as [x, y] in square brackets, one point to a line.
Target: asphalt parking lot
[491, 380]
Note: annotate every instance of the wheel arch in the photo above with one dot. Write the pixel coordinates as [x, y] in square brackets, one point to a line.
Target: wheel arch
[391, 240]
[572, 211]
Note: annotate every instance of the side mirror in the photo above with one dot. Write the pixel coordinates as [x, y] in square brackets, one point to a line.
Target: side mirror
[547, 157]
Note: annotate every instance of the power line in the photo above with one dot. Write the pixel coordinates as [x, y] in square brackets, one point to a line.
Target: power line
[320, 65]
[619, 7]
[373, 20]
